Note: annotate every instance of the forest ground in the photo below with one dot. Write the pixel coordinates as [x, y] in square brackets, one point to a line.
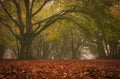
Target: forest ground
[59, 69]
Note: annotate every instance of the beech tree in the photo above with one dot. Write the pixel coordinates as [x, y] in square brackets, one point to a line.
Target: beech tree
[21, 15]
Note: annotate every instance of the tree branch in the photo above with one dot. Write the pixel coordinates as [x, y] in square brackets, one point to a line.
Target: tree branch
[40, 8]
[10, 16]
[5, 10]
[7, 25]
[39, 22]
[50, 20]
[86, 31]
[63, 12]
[48, 23]
[19, 15]
[28, 16]
[33, 1]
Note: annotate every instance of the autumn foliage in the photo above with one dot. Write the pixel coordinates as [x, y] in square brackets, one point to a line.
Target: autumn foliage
[59, 69]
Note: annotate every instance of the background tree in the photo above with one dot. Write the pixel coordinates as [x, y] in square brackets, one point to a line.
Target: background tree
[100, 11]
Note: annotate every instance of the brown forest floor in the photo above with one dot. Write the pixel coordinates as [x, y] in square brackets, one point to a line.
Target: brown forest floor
[59, 69]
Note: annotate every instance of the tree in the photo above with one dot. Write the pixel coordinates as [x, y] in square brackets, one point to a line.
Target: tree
[22, 16]
[107, 34]
[68, 36]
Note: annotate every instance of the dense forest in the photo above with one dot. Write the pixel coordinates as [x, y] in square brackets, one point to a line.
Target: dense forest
[60, 29]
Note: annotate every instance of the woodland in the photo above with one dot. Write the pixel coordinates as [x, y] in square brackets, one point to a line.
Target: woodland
[53, 39]
[60, 29]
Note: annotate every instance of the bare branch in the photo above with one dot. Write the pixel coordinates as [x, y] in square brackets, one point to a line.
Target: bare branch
[33, 1]
[18, 10]
[37, 28]
[39, 22]
[49, 20]
[48, 23]
[45, 26]
[59, 13]
[6, 11]
[19, 15]
[40, 8]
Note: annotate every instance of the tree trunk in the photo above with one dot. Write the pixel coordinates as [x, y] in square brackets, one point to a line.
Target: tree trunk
[118, 55]
[26, 49]
[100, 47]
[74, 52]
[74, 55]
[2, 50]
[114, 49]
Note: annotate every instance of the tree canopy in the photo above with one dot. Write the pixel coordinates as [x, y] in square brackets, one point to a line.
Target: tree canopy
[51, 27]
